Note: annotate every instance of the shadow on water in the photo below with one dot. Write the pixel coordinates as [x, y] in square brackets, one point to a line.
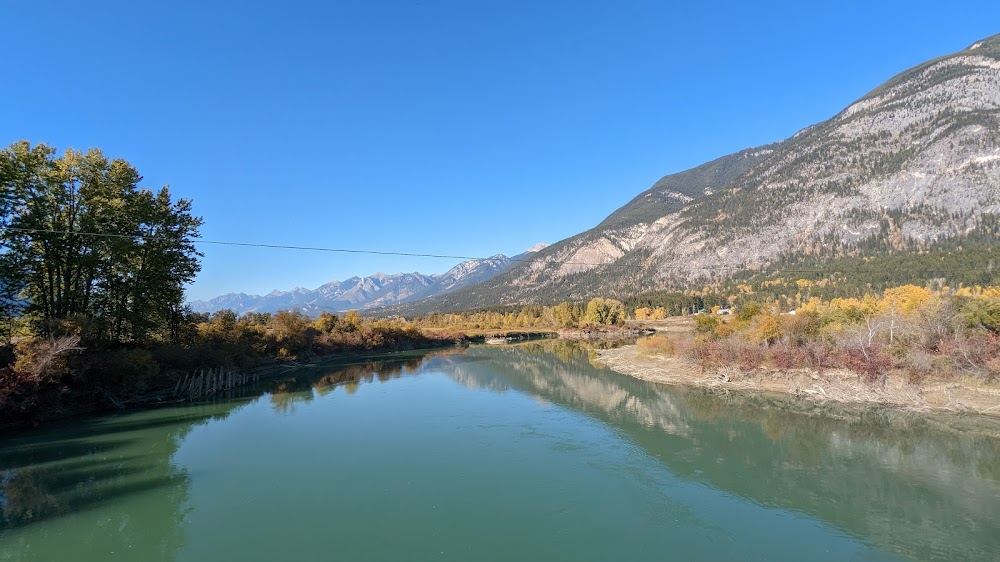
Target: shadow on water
[84, 463]
[926, 487]
[32, 454]
[89, 462]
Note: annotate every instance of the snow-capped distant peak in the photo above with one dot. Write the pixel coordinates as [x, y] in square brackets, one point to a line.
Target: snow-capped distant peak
[536, 248]
[379, 289]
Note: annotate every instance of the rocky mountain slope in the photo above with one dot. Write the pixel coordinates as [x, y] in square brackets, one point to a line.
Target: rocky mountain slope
[910, 164]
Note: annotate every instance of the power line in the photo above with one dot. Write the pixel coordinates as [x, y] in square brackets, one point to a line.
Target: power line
[342, 250]
[457, 257]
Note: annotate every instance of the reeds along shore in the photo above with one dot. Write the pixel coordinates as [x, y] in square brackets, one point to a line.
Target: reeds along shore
[195, 385]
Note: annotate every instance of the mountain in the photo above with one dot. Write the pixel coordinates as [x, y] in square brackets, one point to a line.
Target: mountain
[357, 292]
[374, 291]
[908, 167]
[469, 273]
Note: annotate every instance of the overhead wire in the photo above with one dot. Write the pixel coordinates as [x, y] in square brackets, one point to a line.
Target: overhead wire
[738, 269]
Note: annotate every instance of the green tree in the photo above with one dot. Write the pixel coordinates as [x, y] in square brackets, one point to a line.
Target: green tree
[748, 311]
[706, 323]
[81, 239]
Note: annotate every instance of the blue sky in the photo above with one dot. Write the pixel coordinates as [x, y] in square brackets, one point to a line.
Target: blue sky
[467, 128]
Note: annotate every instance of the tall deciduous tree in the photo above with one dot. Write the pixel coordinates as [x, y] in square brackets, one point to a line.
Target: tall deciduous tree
[605, 312]
[80, 238]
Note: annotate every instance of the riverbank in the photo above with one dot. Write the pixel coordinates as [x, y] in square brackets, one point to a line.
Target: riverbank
[68, 402]
[960, 394]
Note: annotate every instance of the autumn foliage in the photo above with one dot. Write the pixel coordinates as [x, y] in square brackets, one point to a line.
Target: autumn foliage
[46, 376]
[910, 331]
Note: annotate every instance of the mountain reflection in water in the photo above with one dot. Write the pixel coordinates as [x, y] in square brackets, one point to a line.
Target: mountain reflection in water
[923, 487]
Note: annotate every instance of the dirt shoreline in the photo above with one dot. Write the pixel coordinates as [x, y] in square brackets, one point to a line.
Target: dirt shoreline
[832, 385]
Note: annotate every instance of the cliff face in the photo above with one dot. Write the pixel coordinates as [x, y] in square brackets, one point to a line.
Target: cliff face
[913, 164]
[920, 154]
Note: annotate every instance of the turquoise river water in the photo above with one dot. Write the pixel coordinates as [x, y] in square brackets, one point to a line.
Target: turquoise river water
[525, 452]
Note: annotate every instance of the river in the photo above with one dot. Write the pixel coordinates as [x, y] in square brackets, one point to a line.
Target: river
[496, 453]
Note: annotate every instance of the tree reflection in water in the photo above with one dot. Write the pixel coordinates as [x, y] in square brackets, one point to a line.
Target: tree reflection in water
[123, 465]
[120, 464]
[922, 486]
[303, 385]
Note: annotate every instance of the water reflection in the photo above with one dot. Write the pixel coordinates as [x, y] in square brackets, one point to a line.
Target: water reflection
[107, 464]
[122, 469]
[927, 487]
[923, 487]
[564, 372]
[303, 385]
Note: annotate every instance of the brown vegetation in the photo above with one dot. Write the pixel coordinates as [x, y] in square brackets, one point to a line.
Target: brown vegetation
[597, 312]
[659, 344]
[909, 342]
[43, 377]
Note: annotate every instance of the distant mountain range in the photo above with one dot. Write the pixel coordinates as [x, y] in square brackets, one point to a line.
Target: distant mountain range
[373, 291]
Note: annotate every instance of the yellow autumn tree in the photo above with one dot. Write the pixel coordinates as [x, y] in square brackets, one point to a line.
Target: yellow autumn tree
[605, 312]
[768, 329]
[904, 300]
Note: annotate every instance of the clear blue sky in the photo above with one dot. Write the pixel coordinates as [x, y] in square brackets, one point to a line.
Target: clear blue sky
[466, 128]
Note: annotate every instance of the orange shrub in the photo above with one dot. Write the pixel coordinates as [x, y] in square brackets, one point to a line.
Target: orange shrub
[658, 344]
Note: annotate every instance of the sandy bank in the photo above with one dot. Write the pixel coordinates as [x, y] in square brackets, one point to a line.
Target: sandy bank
[835, 385]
